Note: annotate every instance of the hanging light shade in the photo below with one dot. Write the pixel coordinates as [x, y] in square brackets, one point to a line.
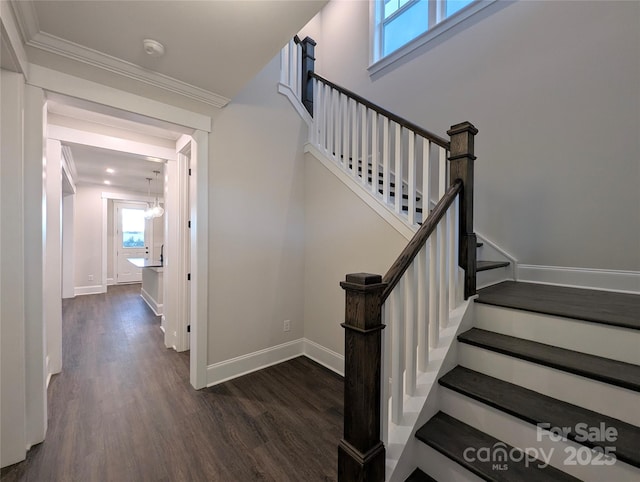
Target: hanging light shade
[158, 211]
[148, 213]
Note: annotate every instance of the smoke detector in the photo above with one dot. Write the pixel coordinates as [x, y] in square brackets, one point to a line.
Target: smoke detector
[153, 48]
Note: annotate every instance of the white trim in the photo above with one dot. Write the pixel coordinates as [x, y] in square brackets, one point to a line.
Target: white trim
[436, 31]
[27, 19]
[89, 290]
[325, 357]
[251, 362]
[199, 206]
[296, 103]
[110, 282]
[77, 136]
[75, 87]
[386, 213]
[12, 37]
[148, 299]
[601, 279]
[142, 198]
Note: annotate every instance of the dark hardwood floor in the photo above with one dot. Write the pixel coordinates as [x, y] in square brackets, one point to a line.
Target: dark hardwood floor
[123, 409]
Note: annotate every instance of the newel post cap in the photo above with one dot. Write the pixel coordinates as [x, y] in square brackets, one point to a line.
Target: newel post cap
[465, 126]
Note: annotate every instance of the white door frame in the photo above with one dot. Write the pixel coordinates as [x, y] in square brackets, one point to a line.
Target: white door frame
[200, 126]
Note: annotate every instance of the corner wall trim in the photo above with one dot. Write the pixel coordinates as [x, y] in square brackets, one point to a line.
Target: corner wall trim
[148, 299]
[90, 290]
[325, 357]
[600, 279]
[236, 367]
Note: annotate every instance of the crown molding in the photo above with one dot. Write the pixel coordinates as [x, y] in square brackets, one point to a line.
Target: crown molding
[27, 20]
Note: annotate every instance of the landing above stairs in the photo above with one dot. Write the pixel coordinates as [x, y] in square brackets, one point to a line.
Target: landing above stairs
[609, 308]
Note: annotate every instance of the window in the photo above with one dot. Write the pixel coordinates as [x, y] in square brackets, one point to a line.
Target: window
[132, 228]
[402, 25]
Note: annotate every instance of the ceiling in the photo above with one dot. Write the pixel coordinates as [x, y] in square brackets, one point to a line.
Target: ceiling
[212, 48]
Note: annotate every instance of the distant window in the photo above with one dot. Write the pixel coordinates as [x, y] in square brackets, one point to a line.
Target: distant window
[132, 228]
[400, 22]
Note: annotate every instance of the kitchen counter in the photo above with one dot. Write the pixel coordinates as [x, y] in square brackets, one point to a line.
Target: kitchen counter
[152, 282]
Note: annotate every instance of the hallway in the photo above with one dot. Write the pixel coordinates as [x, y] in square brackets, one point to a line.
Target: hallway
[123, 410]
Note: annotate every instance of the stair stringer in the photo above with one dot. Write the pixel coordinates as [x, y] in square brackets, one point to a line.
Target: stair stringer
[384, 211]
[402, 447]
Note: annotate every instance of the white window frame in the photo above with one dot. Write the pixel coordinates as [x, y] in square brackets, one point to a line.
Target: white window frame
[437, 27]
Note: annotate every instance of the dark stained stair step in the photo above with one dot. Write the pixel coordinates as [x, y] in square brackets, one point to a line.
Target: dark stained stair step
[536, 408]
[487, 265]
[614, 372]
[606, 307]
[419, 476]
[452, 438]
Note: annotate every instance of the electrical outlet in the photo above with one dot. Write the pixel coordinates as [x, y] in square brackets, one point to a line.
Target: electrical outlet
[286, 325]
[90, 277]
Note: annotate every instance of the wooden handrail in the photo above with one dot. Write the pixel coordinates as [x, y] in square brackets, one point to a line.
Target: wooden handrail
[381, 110]
[412, 249]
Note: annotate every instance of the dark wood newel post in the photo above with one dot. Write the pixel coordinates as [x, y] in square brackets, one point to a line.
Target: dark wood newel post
[461, 167]
[308, 65]
[361, 453]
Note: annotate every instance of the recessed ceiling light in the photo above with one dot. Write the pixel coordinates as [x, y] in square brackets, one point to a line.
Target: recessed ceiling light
[109, 170]
[107, 182]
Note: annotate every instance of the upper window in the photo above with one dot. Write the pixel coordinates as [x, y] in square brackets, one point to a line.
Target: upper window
[400, 23]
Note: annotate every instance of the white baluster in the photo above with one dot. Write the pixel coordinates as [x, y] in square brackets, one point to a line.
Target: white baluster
[442, 171]
[299, 70]
[292, 67]
[338, 124]
[434, 326]
[374, 152]
[386, 174]
[426, 188]
[345, 133]
[316, 122]
[364, 138]
[354, 138]
[423, 309]
[398, 168]
[411, 177]
[452, 222]
[443, 302]
[331, 122]
[411, 339]
[397, 355]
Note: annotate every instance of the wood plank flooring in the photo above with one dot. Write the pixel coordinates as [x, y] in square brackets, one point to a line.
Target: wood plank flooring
[123, 409]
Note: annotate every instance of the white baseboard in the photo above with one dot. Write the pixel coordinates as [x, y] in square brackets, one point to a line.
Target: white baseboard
[110, 281]
[153, 304]
[90, 290]
[325, 357]
[48, 372]
[251, 362]
[600, 279]
[295, 102]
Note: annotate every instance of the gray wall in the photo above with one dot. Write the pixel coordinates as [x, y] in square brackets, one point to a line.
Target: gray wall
[554, 88]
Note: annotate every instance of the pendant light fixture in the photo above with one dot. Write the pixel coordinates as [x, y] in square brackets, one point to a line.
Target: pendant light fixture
[156, 210]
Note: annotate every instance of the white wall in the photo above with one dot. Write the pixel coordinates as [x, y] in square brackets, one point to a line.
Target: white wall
[68, 245]
[12, 317]
[256, 221]
[342, 235]
[554, 88]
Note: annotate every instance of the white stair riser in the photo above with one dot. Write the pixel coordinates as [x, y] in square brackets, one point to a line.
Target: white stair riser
[493, 276]
[441, 467]
[591, 394]
[607, 341]
[525, 436]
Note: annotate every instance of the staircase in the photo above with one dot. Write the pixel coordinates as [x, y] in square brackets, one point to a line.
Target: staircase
[543, 381]
[553, 371]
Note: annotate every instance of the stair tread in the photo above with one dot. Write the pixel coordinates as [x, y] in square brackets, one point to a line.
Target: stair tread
[536, 408]
[606, 307]
[419, 476]
[614, 372]
[487, 265]
[452, 438]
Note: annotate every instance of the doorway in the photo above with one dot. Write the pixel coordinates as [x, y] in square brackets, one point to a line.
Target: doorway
[132, 238]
